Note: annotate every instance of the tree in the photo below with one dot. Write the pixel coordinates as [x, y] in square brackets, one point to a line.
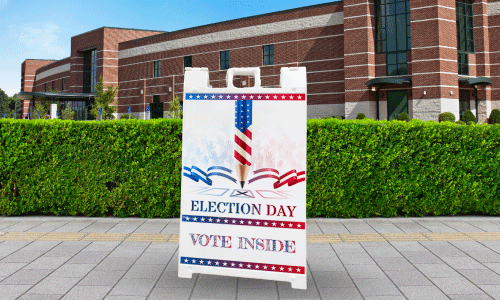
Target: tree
[175, 108]
[8, 105]
[68, 113]
[4, 105]
[103, 100]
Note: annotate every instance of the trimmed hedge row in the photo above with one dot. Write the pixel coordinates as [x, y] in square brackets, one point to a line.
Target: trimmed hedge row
[381, 168]
[121, 168]
[356, 168]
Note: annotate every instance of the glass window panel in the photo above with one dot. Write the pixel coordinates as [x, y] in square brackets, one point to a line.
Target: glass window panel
[401, 32]
[470, 46]
[402, 57]
[408, 8]
[381, 10]
[391, 70]
[390, 9]
[402, 69]
[400, 8]
[469, 10]
[391, 59]
[391, 33]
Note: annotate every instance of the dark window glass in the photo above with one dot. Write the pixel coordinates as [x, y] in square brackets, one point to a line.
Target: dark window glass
[157, 69]
[156, 108]
[396, 63]
[53, 85]
[463, 101]
[44, 87]
[465, 34]
[268, 55]
[188, 61]
[393, 33]
[63, 84]
[89, 71]
[224, 60]
[463, 63]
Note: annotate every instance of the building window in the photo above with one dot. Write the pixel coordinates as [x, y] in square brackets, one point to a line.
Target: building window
[89, 71]
[44, 87]
[53, 85]
[268, 55]
[463, 63]
[157, 69]
[396, 63]
[188, 62]
[63, 84]
[393, 33]
[224, 60]
[465, 34]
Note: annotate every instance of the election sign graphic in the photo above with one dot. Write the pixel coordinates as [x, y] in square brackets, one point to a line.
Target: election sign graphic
[243, 190]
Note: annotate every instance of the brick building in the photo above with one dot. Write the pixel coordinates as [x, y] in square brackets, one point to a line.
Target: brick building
[377, 57]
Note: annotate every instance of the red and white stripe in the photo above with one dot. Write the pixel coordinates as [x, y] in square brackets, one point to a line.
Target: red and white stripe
[243, 146]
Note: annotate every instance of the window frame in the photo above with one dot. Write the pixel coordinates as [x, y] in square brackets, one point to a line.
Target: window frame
[157, 68]
[465, 34]
[269, 56]
[388, 13]
[188, 60]
[224, 61]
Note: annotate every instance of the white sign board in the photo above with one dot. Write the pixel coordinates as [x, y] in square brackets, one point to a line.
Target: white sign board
[53, 111]
[243, 197]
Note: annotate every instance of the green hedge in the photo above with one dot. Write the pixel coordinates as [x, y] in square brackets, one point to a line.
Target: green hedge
[356, 168]
[381, 168]
[121, 168]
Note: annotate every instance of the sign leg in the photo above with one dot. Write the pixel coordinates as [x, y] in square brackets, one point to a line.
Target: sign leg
[299, 282]
[185, 271]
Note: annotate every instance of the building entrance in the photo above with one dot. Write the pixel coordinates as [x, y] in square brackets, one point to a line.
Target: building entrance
[397, 102]
[156, 108]
[464, 101]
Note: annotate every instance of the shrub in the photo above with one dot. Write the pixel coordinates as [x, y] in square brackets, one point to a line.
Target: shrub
[354, 169]
[127, 116]
[68, 113]
[468, 116]
[404, 117]
[459, 122]
[360, 116]
[446, 116]
[494, 117]
[470, 123]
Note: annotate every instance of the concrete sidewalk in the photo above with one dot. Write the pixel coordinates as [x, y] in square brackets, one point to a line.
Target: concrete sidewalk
[110, 258]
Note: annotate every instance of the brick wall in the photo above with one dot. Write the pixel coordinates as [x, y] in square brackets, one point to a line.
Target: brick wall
[317, 47]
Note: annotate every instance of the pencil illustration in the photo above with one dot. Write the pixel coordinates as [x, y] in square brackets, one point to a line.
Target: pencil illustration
[243, 139]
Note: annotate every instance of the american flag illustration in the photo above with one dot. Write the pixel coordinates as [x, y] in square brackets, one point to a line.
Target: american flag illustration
[243, 132]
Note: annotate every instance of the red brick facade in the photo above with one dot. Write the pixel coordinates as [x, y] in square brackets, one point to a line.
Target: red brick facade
[334, 41]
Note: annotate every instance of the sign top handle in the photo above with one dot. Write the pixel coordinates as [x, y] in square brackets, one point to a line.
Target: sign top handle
[231, 72]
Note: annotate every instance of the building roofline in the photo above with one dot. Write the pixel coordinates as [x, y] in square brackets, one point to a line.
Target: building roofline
[53, 62]
[109, 27]
[40, 59]
[239, 19]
